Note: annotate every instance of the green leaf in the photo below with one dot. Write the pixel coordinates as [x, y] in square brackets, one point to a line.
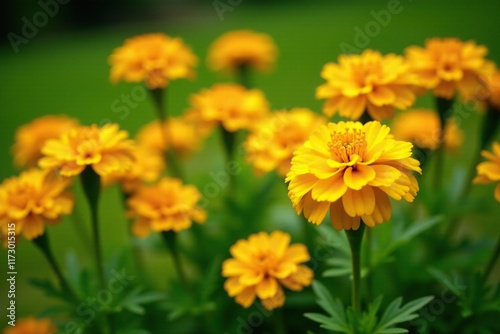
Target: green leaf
[134, 300]
[395, 314]
[335, 309]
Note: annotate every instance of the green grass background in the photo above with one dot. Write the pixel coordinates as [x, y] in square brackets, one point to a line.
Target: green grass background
[61, 72]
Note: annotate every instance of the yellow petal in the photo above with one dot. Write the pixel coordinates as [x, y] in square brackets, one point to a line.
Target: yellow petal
[251, 277]
[315, 211]
[359, 176]
[233, 267]
[267, 288]
[359, 202]
[246, 297]
[233, 286]
[296, 253]
[381, 95]
[279, 242]
[329, 189]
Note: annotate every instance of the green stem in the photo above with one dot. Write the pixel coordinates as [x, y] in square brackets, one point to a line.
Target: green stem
[244, 76]
[279, 321]
[494, 257]
[42, 242]
[170, 238]
[368, 249]
[444, 107]
[355, 238]
[91, 184]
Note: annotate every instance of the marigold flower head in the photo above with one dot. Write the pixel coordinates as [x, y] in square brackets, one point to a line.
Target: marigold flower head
[233, 106]
[369, 81]
[351, 170]
[422, 127]
[166, 206]
[31, 199]
[262, 265]
[155, 59]
[107, 150]
[242, 48]
[489, 171]
[32, 325]
[148, 167]
[270, 145]
[183, 134]
[30, 138]
[448, 65]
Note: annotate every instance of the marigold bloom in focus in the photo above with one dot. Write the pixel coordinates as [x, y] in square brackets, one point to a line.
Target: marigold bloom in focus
[30, 138]
[184, 136]
[262, 265]
[148, 167]
[231, 105]
[242, 48]
[351, 170]
[32, 325]
[422, 127]
[271, 144]
[107, 150]
[369, 81]
[489, 171]
[155, 59]
[31, 199]
[166, 206]
[448, 65]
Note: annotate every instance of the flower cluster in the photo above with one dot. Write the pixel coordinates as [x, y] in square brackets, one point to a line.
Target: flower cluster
[262, 265]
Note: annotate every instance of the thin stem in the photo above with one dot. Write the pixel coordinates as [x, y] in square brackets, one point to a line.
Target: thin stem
[42, 242]
[244, 76]
[355, 238]
[368, 258]
[279, 321]
[443, 107]
[494, 257]
[170, 239]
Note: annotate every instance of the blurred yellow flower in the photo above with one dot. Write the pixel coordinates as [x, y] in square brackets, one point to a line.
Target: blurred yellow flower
[31, 199]
[155, 59]
[231, 105]
[422, 127]
[166, 206]
[351, 169]
[148, 167]
[32, 325]
[107, 150]
[184, 135]
[30, 138]
[369, 81]
[489, 171]
[448, 65]
[262, 265]
[493, 83]
[270, 145]
[242, 48]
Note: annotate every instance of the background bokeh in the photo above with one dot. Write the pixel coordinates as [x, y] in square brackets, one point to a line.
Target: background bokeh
[64, 70]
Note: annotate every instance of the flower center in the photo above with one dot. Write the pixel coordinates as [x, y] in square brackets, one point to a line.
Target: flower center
[345, 145]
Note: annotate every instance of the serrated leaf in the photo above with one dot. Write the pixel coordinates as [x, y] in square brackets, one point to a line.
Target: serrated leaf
[335, 309]
[135, 298]
[395, 313]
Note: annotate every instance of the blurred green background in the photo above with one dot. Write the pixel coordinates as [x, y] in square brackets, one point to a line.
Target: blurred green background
[64, 70]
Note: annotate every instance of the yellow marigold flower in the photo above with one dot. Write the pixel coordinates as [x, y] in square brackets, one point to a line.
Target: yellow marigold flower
[31, 199]
[30, 138]
[184, 135]
[32, 325]
[493, 84]
[107, 150]
[231, 105]
[271, 144]
[489, 171]
[262, 265]
[166, 206]
[369, 81]
[447, 65]
[148, 167]
[242, 48]
[351, 169]
[155, 59]
[422, 127]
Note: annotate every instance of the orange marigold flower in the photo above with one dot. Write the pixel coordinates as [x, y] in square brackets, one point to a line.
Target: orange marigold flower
[231, 105]
[107, 150]
[31, 137]
[31, 199]
[262, 265]
[422, 127]
[351, 169]
[166, 206]
[32, 325]
[242, 48]
[184, 135]
[154, 58]
[489, 171]
[447, 65]
[271, 144]
[148, 167]
[369, 81]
